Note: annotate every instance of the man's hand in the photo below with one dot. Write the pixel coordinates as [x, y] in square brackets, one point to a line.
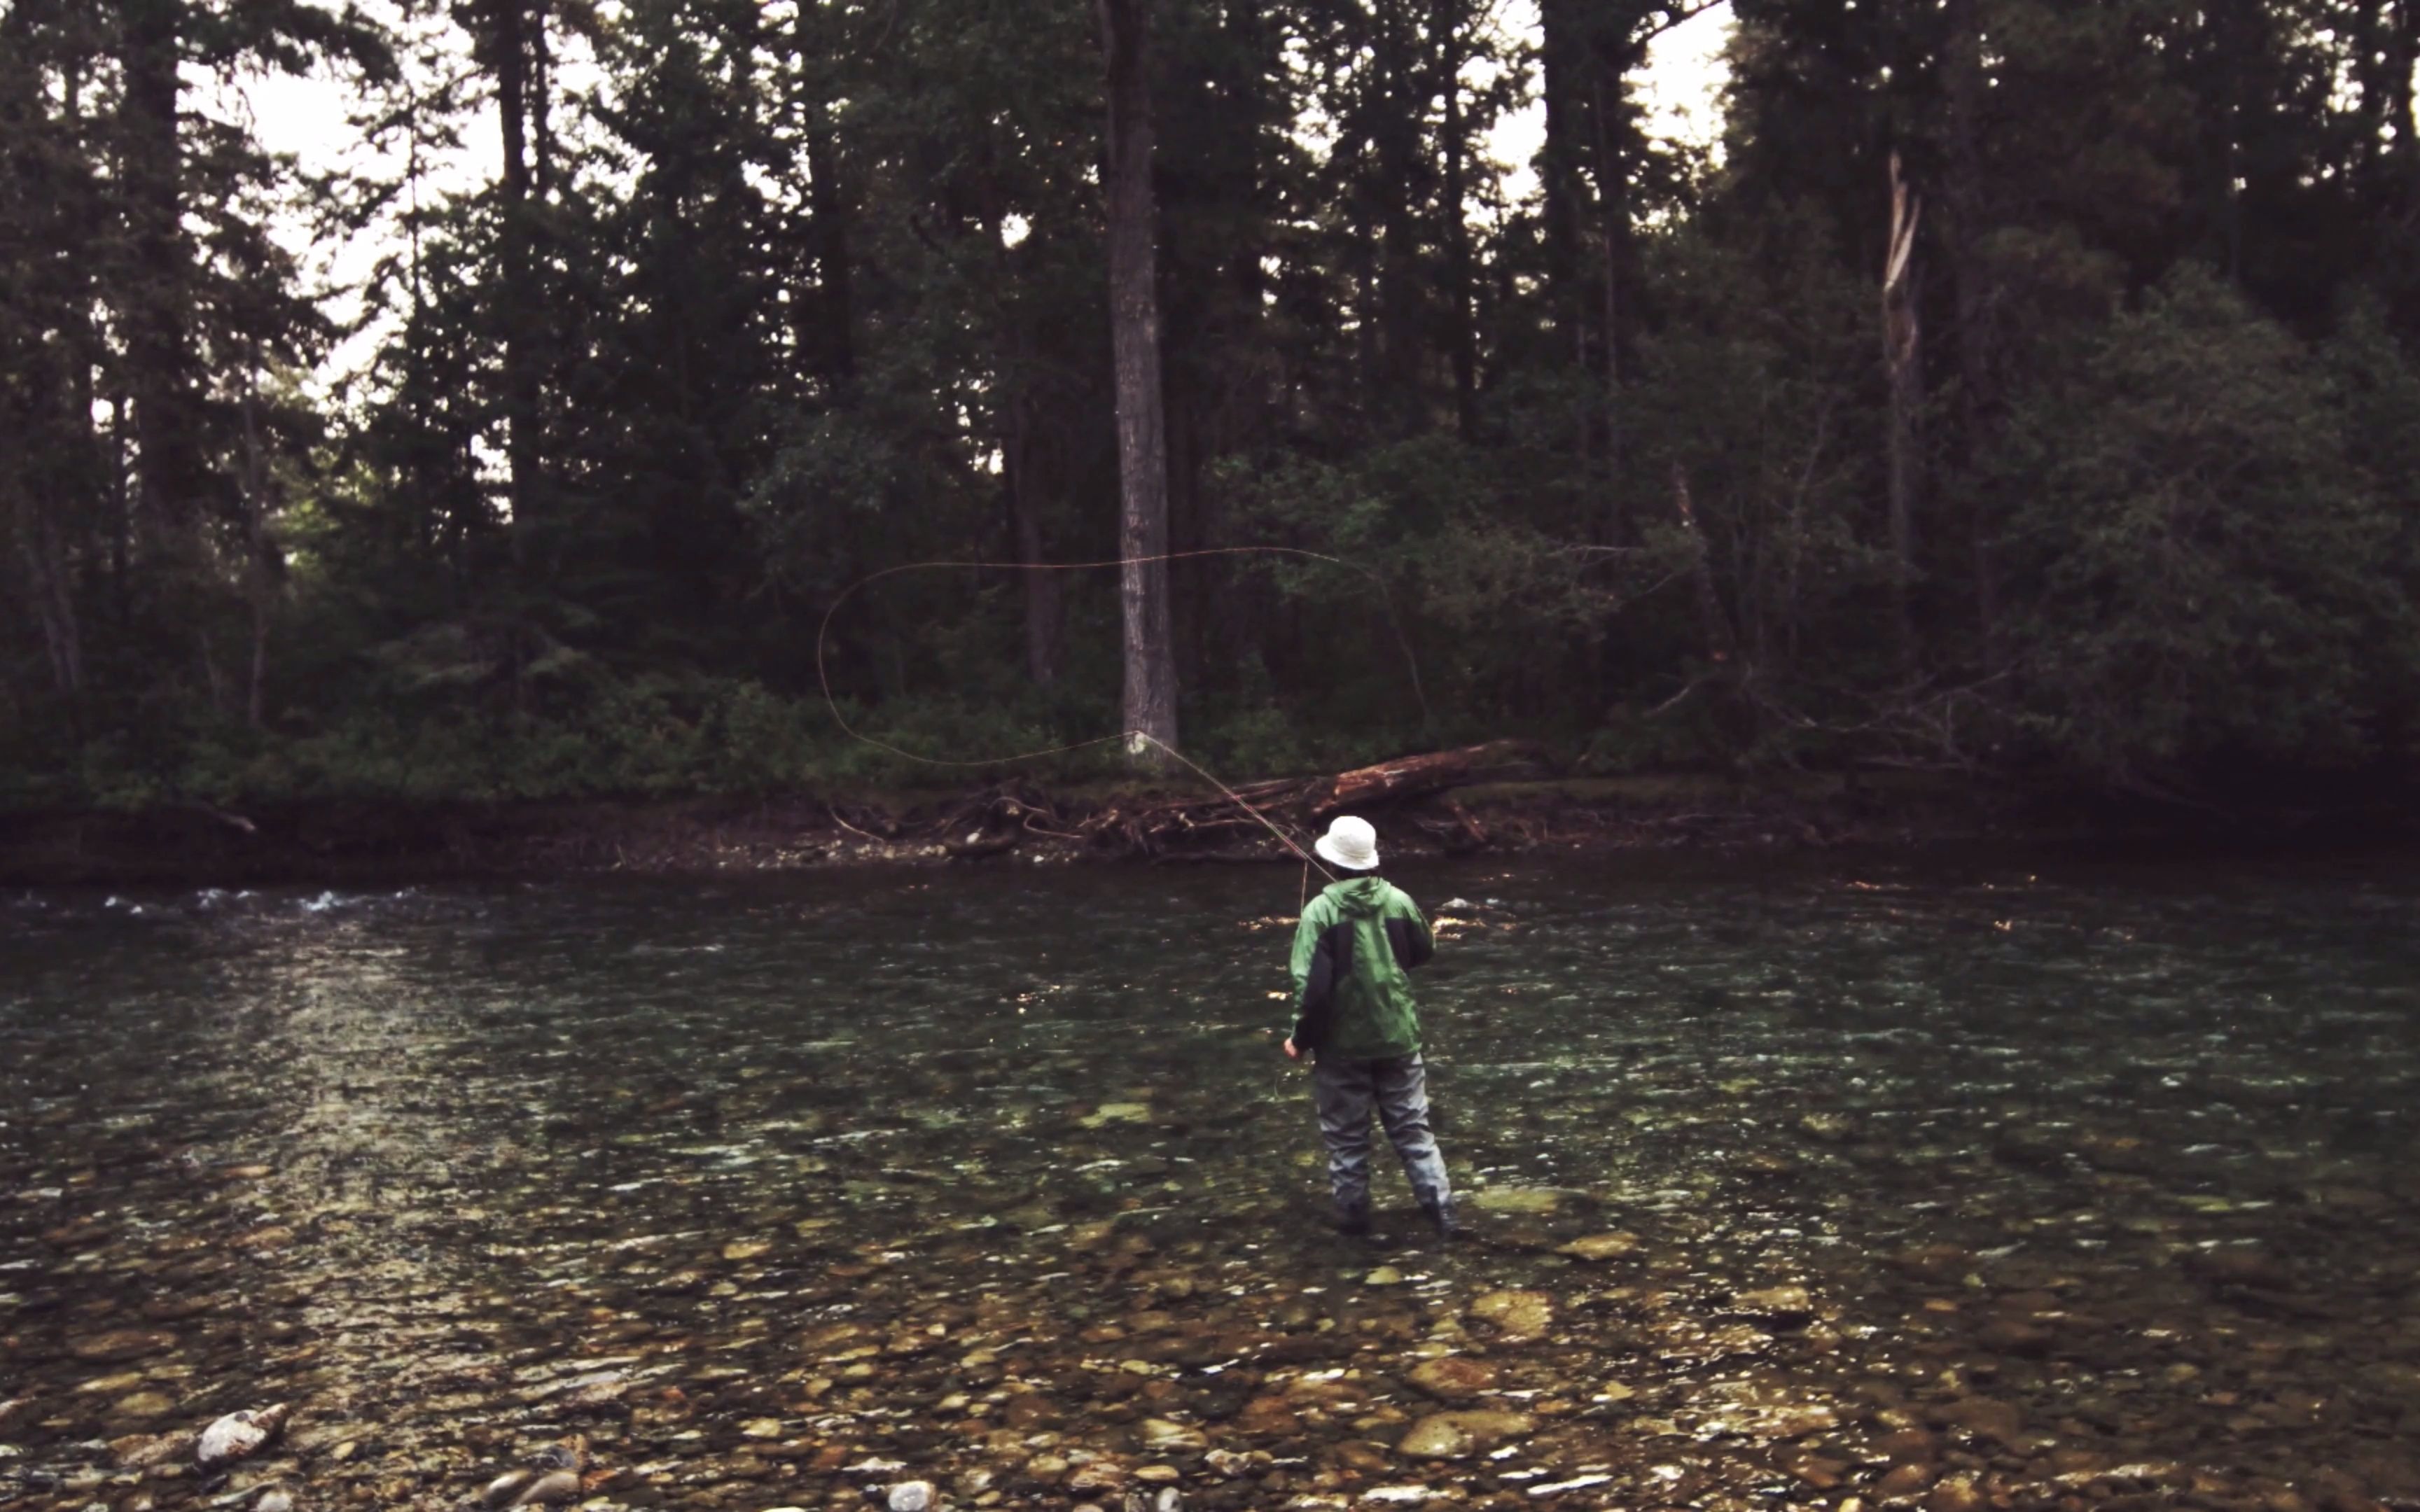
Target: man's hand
[1291, 1053]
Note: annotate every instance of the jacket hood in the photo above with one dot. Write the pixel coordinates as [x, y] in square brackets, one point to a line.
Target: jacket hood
[1359, 897]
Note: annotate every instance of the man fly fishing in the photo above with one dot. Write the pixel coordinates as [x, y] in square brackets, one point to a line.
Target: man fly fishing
[1353, 1006]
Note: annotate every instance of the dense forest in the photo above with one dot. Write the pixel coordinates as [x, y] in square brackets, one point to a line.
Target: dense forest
[2024, 387]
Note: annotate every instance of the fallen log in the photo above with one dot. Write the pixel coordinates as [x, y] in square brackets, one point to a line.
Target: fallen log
[1413, 777]
[1303, 802]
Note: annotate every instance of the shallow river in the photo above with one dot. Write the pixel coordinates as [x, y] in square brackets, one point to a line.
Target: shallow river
[1827, 1184]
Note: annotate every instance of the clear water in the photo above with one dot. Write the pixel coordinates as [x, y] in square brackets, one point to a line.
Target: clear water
[2094, 1186]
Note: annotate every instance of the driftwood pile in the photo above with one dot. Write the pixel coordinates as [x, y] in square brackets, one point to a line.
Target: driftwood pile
[1211, 825]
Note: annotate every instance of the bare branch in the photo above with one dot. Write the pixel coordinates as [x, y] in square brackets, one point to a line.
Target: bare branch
[1674, 17]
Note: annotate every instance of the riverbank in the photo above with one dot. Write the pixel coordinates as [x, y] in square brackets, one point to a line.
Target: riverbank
[357, 841]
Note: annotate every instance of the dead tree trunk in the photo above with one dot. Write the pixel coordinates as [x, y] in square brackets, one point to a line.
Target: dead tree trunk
[1902, 345]
[1150, 706]
[1714, 625]
[260, 575]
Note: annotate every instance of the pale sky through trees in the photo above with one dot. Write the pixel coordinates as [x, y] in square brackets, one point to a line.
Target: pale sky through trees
[307, 116]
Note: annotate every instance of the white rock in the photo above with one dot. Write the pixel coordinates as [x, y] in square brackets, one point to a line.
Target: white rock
[912, 1496]
[237, 1435]
[1575, 1484]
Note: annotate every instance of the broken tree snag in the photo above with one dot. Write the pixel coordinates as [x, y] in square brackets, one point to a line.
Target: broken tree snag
[1412, 777]
[1710, 618]
[1213, 823]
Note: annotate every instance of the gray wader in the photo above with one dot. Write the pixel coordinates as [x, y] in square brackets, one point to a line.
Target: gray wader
[1345, 1091]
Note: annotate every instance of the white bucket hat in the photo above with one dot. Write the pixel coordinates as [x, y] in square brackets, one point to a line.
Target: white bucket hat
[1349, 842]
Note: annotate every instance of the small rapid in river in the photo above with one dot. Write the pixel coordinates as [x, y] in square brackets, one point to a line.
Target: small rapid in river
[1839, 1184]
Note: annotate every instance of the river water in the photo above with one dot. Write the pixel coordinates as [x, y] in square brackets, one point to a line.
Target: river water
[1837, 1183]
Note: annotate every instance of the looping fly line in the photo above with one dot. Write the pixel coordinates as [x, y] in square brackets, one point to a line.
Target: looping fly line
[1128, 737]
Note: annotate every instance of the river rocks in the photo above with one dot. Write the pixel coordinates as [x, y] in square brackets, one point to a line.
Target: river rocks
[1269, 1417]
[938, 1277]
[1044, 1470]
[2014, 1337]
[1601, 1247]
[267, 1237]
[238, 1435]
[1451, 1378]
[1515, 1315]
[1459, 1435]
[1535, 1201]
[122, 1344]
[1959, 1493]
[1160, 1436]
[1109, 1113]
[1828, 1128]
[1907, 1446]
[550, 1489]
[111, 1385]
[1902, 1481]
[1779, 1304]
[141, 1451]
[2240, 1265]
[1933, 1263]
[910, 1496]
[1983, 1418]
[275, 1499]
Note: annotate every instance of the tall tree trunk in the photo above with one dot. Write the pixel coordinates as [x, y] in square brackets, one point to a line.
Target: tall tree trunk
[160, 358]
[518, 61]
[1020, 474]
[1463, 340]
[1150, 703]
[510, 59]
[47, 583]
[259, 577]
[1395, 138]
[1562, 64]
[828, 204]
[2403, 59]
[1612, 166]
[47, 411]
[1964, 83]
[1903, 351]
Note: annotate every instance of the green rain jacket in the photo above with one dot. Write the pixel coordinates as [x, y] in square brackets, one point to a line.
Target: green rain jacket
[1352, 999]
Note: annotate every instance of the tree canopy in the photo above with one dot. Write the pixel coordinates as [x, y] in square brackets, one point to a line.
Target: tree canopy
[2024, 387]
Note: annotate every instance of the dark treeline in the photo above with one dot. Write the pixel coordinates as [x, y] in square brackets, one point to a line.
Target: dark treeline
[2025, 387]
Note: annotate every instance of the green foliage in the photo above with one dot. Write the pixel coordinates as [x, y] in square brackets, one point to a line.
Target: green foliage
[2206, 570]
[791, 299]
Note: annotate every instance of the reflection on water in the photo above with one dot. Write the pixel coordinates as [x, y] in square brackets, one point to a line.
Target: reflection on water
[1882, 1185]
